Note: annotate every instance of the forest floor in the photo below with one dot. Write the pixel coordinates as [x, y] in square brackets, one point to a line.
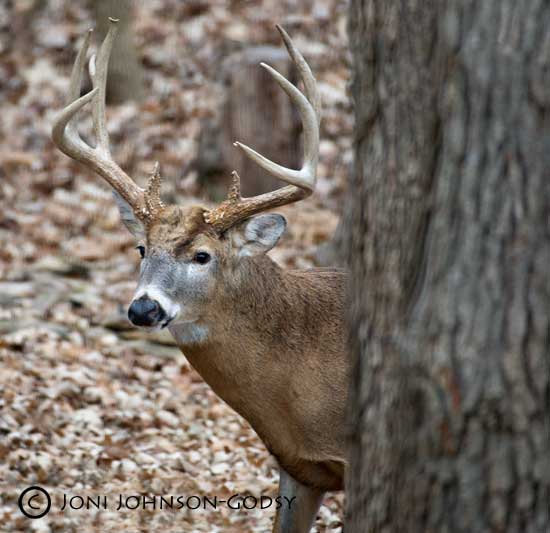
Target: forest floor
[89, 405]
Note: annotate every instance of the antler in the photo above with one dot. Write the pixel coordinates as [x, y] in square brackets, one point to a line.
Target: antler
[302, 182]
[145, 203]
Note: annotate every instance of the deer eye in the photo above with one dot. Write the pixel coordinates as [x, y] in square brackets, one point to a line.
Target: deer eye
[201, 258]
[141, 250]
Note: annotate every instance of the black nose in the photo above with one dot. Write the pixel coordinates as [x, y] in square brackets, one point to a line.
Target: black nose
[145, 312]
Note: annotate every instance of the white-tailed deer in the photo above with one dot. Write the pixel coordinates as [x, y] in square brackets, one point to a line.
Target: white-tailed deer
[270, 342]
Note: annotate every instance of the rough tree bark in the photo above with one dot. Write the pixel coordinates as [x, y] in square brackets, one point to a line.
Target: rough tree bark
[449, 248]
[125, 81]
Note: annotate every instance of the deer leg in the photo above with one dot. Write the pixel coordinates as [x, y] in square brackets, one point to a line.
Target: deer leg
[299, 505]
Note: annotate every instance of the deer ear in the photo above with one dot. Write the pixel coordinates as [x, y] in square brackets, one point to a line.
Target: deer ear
[257, 235]
[134, 225]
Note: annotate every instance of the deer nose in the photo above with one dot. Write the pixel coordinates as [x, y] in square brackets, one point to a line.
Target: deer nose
[145, 312]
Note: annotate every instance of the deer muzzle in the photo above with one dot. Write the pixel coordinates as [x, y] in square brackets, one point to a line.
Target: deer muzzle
[146, 312]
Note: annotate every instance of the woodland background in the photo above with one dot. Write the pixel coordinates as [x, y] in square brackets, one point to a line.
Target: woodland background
[88, 404]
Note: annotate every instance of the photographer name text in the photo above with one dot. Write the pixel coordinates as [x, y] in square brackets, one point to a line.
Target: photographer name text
[134, 502]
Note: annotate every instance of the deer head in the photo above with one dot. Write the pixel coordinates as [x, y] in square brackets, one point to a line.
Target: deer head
[188, 252]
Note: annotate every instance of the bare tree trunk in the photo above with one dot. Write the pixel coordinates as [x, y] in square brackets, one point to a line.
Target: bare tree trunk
[125, 80]
[449, 247]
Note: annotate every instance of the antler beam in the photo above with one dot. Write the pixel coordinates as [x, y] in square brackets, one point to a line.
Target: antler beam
[301, 182]
[145, 203]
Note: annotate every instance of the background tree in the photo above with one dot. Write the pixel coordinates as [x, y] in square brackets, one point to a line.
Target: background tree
[125, 80]
[449, 247]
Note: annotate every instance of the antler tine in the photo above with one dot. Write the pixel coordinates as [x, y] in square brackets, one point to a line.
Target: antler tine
[302, 182]
[78, 69]
[153, 202]
[65, 135]
[310, 85]
[98, 68]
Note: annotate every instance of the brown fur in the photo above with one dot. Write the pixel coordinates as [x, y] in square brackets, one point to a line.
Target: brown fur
[275, 351]
[177, 224]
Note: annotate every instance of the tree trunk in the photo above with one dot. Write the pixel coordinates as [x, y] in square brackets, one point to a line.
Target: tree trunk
[449, 250]
[125, 79]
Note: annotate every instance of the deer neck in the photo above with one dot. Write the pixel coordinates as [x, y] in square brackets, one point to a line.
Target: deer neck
[253, 295]
[231, 348]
